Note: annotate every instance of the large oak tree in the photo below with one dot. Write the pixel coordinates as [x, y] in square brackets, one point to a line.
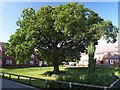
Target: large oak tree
[59, 33]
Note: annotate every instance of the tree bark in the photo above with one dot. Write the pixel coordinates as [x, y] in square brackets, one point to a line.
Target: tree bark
[56, 67]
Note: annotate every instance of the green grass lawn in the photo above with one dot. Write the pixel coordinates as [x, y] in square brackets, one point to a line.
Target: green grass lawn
[32, 71]
[104, 76]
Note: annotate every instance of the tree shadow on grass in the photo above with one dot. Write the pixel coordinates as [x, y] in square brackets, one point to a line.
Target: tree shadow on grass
[75, 75]
[102, 76]
[51, 73]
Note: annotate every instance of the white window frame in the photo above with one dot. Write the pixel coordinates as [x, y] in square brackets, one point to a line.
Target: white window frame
[107, 61]
[111, 61]
[8, 62]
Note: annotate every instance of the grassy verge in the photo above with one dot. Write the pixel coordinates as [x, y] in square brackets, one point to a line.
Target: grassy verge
[103, 76]
[32, 71]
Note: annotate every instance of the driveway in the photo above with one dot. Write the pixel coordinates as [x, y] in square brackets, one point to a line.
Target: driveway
[11, 85]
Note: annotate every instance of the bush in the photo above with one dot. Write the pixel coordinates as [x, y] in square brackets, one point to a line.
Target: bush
[93, 79]
[100, 79]
[53, 84]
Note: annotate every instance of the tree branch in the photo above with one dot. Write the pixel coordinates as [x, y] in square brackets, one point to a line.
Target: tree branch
[65, 44]
[42, 48]
[48, 42]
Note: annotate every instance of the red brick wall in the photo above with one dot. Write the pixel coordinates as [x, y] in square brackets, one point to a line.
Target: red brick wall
[5, 57]
[108, 58]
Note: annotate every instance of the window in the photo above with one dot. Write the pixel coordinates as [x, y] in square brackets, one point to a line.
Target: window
[40, 63]
[107, 61]
[111, 61]
[117, 60]
[0, 48]
[8, 62]
[31, 62]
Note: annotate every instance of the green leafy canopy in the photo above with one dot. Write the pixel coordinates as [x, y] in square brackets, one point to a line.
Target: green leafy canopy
[59, 33]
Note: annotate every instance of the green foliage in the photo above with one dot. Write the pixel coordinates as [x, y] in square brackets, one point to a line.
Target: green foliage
[103, 76]
[100, 79]
[21, 44]
[53, 84]
[59, 33]
[92, 62]
[91, 48]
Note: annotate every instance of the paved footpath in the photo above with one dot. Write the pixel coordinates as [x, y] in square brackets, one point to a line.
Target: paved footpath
[11, 85]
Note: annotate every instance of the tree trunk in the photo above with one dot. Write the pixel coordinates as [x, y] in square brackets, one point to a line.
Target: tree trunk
[56, 67]
[92, 61]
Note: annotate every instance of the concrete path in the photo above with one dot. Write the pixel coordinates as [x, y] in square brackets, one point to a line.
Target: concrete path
[11, 85]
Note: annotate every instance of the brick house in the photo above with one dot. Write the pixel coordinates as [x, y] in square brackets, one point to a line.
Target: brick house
[110, 59]
[10, 61]
[4, 59]
[35, 58]
[107, 55]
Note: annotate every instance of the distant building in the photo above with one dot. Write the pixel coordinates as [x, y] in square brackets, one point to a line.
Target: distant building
[4, 59]
[84, 60]
[110, 59]
[108, 54]
[10, 61]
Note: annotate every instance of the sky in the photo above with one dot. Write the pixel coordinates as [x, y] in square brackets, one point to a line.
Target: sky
[11, 11]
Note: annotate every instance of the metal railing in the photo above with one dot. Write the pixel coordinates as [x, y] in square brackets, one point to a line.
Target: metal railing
[68, 85]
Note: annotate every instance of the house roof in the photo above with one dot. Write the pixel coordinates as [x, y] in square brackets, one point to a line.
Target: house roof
[112, 48]
[102, 51]
[112, 56]
[99, 56]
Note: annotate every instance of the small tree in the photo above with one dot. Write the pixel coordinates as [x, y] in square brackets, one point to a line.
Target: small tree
[59, 33]
[91, 50]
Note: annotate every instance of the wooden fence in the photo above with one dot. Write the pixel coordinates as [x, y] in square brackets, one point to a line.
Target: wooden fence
[68, 84]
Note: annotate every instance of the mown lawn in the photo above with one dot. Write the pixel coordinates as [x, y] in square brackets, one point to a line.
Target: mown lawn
[32, 71]
[103, 76]
[39, 71]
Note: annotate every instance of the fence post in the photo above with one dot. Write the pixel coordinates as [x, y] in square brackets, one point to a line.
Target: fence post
[3, 75]
[46, 83]
[29, 80]
[9, 76]
[18, 78]
[105, 88]
[111, 87]
[70, 85]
